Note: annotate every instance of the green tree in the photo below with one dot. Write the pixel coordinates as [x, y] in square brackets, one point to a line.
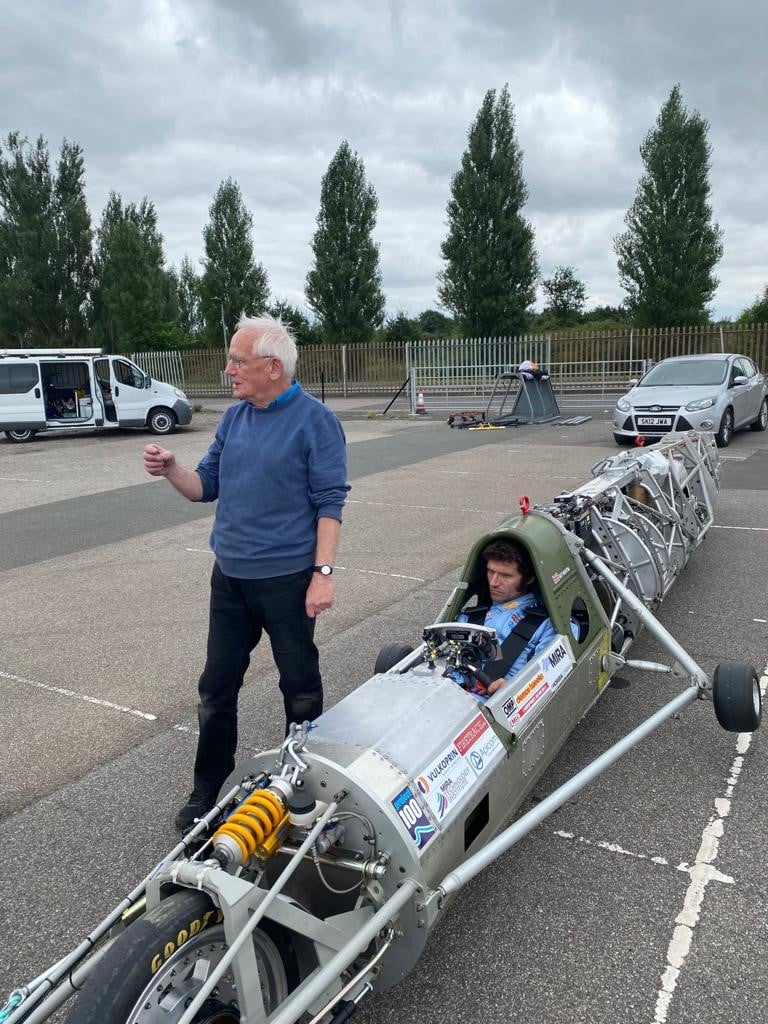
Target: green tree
[434, 324]
[132, 293]
[232, 283]
[668, 253]
[343, 287]
[757, 313]
[188, 301]
[304, 331]
[401, 327]
[565, 296]
[28, 244]
[489, 280]
[74, 242]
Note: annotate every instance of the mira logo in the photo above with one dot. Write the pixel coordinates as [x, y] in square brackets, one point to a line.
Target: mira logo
[558, 655]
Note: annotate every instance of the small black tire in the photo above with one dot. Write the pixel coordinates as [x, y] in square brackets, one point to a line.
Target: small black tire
[20, 436]
[725, 433]
[762, 417]
[390, 655]
[158, 957]
[161, 420]
[736, 696]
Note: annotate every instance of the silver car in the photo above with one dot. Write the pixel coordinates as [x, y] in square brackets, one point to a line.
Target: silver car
[720, 393]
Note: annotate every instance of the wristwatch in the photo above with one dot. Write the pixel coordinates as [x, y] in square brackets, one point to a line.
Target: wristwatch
[324, 570]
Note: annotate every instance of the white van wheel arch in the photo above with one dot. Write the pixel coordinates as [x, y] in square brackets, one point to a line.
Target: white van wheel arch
[20, 436]
[161, 420]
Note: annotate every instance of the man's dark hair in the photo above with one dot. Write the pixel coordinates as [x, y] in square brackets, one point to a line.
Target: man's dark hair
[509, 551]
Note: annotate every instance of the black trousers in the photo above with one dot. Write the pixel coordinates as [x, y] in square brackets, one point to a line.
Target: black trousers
[240, 611]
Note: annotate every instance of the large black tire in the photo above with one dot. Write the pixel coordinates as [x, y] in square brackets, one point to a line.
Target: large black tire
[389, 655]
[725, 433]
[762, 417]
[736, 696]
[167, 955]
[20, 436]
[161, 420]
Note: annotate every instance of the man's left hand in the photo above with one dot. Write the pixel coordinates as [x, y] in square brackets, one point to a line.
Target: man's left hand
[319, 595]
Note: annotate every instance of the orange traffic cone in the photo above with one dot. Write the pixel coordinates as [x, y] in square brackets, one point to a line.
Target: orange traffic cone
[421, 409]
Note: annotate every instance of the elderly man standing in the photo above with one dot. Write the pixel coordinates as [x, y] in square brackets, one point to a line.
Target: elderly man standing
[277, 467]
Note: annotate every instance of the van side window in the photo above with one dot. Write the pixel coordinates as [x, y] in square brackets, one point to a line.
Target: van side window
[18, 379]
[128, 374]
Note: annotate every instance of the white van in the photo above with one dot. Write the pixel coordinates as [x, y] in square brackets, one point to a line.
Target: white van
[76, 389]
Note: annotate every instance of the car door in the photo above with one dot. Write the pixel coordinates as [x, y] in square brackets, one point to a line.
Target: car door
[128, 392]
[754, 389]
[738, 394]
[21, 395]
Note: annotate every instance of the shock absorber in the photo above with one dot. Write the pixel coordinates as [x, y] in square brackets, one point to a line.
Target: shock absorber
[256, 827]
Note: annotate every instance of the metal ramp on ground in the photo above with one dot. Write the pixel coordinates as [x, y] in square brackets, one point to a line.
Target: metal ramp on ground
[520, 398]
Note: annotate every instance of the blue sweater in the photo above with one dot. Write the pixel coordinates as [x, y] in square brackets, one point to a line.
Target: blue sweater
[274, 471]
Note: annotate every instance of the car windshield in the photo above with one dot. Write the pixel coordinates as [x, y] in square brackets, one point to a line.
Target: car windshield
[685, 372]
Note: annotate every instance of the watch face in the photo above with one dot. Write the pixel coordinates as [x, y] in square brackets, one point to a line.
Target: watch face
[324, 570]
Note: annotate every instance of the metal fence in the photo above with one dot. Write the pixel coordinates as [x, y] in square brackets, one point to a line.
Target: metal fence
[598, 361]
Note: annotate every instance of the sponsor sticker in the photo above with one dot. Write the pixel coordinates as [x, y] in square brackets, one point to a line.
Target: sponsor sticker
[451, 776]
[554, 668]
[412, 815]
[560, 574]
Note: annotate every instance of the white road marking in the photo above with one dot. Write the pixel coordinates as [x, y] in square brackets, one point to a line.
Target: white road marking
[753, 529]
[426, 508]
[702, 872]
[22, 480]
[187, 728]
[62, 692]
[616, 848]
[346, 568]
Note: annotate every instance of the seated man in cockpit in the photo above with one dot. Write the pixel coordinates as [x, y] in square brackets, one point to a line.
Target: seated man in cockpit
[522, 625]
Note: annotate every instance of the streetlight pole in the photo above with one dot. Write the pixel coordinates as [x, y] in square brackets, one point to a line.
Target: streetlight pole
[224, 329]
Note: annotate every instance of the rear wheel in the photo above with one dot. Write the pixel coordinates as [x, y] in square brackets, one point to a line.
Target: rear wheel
[736, 696]
[161, 421]
[389, 655]
[20, 436]
[157, 966]
[725, 433]
[762, 419]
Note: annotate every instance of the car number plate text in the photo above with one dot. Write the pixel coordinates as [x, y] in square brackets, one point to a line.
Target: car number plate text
[654, 421]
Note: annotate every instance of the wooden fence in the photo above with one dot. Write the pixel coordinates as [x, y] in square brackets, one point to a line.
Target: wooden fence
[601, 359]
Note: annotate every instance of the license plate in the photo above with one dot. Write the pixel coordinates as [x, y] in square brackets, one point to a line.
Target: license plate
[654, 421]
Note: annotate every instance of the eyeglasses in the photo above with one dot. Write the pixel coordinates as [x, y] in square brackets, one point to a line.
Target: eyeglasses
[238, 362]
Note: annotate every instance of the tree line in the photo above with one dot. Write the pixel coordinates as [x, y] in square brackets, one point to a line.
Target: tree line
[64, 282]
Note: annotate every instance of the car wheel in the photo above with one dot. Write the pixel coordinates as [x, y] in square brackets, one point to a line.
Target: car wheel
[725, 433]
[762, 417]
[736, 696]
[20, 436]
[622, 441]
[389, 655]
[161, 421]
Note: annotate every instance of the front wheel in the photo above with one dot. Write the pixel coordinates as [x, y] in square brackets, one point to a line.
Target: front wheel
[725, 433]
[762, 417]
[156, 967]
[20, 436]
[161, 421]
[389, 655]
[736, 696]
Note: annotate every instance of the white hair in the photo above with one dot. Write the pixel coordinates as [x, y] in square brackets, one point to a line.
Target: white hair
[274, 338]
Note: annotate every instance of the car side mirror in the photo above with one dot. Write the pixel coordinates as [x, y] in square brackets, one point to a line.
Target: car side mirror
[738, 381]
[634, 382]
[147, 381]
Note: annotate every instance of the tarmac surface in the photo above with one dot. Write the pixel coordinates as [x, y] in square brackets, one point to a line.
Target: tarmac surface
[642, 900]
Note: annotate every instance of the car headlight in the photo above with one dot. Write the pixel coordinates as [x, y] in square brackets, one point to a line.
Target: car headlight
[624, 405]
[179, 394]
[699, 404]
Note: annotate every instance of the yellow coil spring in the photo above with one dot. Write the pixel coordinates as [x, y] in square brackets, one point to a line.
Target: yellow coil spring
[254, 820]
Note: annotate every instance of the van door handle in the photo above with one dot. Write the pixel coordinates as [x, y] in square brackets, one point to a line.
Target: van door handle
[37, 392]
[117, 390]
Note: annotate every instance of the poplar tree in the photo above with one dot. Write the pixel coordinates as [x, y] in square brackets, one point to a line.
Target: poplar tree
[131, 292]
[232, 283]
[489, 280]
[668, 253]
[74, 237]
[188, 300]
[343, 287]
[565, 295]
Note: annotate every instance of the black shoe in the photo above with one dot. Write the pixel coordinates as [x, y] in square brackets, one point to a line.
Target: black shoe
[198, 805]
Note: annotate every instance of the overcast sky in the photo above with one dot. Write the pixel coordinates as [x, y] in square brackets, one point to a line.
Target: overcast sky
[169, 97]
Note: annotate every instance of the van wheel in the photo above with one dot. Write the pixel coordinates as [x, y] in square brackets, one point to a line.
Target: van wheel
[161, 421]
[20, 436]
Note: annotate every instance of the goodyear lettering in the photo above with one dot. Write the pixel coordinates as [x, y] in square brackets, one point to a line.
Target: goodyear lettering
[183, 936]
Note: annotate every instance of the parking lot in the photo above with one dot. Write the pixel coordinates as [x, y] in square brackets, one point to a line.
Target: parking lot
[642, 900]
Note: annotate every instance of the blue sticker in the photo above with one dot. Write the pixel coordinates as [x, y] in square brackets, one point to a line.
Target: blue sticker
[413, 817]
